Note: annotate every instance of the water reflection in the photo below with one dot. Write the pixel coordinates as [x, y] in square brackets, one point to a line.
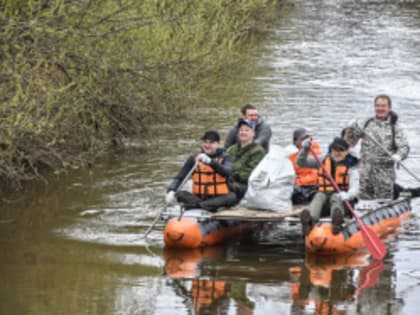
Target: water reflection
[226, 280]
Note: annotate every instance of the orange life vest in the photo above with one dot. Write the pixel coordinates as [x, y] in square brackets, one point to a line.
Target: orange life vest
[340, 176]
[206, 292]
[207, 183]
[305, 176]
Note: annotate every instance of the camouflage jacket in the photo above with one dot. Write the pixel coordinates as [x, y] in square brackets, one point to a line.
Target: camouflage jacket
[382, 131]
[245, 160]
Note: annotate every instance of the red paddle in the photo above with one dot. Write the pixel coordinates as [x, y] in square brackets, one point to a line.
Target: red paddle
[369, 276]
[373, 243]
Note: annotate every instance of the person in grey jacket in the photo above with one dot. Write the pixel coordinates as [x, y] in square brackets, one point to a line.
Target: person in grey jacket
[262, 129]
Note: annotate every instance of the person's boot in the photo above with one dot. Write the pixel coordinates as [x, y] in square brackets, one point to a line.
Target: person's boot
[307, 221]
[337, 221]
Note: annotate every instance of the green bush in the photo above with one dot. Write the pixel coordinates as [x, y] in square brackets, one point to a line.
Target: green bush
[77, 76]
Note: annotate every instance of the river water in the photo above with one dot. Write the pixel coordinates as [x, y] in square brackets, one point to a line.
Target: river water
[75, 247]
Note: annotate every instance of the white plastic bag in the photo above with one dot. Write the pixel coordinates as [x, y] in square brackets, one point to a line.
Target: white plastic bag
[270, 185]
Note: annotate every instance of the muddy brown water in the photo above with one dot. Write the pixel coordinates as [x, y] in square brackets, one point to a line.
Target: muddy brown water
[75, 247]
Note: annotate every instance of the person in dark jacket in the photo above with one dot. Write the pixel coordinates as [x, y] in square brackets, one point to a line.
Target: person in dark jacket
[213, 167]
[262, 129]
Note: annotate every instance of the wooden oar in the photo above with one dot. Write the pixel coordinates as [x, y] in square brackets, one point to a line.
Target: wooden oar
[373, 243]
[186, 178]
[371, 138]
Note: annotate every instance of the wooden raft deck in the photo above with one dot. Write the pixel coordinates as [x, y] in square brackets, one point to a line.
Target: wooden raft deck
[244, 214]
[254, 215]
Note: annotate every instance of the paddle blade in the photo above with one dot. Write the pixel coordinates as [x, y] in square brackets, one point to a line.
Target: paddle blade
[369, 276]
[372, 241]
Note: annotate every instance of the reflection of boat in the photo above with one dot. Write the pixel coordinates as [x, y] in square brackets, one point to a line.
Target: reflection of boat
[327, 283]
[185, 263]
[321, 268]
[383, 220]
[206, 291]
[184, 267]
[230, 262]
[211, 277]
[199, 228]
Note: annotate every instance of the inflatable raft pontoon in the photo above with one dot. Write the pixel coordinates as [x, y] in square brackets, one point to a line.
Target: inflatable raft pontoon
[383, 220]
[199, 228]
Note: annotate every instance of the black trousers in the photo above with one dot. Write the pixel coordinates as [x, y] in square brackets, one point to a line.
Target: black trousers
[303, 194]
[192, 201]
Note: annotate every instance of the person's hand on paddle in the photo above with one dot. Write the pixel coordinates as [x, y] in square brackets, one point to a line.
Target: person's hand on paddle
[344, 195]
[307, 143]
[170, 197]
[204, 158]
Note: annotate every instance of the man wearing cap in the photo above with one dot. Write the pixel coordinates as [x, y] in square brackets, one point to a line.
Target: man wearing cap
[210, 177]
[343, 169]
[246, 154]
[377, 171]
[262, 129]
[306, 182]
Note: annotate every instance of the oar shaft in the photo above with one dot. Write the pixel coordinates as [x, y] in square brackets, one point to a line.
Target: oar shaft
[337, 189]
[186, 178]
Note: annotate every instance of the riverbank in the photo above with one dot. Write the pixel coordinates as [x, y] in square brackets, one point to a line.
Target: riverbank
[77, 78]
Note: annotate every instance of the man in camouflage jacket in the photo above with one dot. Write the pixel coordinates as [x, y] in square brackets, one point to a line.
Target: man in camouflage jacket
[377, 172]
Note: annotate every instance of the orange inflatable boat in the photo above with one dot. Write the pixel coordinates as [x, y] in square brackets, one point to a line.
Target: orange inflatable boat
[195, 229]
[383, 220]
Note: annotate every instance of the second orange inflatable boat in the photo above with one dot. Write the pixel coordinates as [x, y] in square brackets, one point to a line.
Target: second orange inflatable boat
[383, 220]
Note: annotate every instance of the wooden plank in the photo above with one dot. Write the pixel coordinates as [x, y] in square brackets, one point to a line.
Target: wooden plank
[244, 214]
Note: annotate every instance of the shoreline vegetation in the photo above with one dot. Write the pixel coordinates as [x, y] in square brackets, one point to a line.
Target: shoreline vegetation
[78, 77]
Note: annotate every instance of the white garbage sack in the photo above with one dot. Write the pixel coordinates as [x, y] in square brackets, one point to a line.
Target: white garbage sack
[270, 185]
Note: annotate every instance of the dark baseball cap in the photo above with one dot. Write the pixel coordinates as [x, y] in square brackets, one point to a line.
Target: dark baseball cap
[247, 122]
[300, 134]
[339, 144]
[211, 135]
